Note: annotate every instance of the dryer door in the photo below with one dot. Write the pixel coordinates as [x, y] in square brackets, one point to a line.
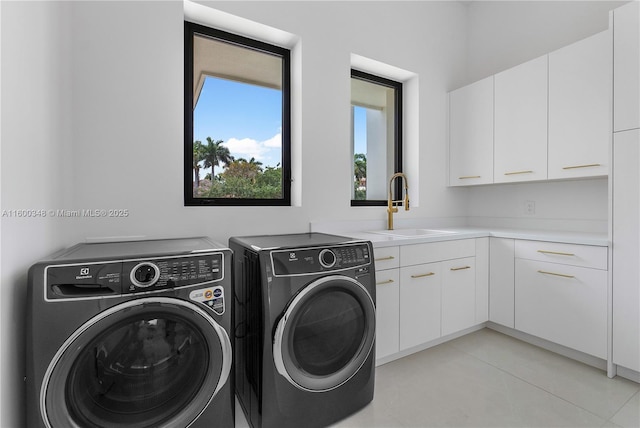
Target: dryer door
[152, 362]
[326, 334]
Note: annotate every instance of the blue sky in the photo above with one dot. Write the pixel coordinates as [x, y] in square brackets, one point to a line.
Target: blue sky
[248, 118]
[360, 129]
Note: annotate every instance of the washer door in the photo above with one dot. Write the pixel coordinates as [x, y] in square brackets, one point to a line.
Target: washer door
[326, 334]
[153, 362]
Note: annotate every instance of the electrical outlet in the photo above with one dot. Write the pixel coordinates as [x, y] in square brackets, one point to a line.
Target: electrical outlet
[530, 207]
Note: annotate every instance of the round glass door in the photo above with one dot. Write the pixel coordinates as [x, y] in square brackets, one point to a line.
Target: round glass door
[154, 362]
[326, 334]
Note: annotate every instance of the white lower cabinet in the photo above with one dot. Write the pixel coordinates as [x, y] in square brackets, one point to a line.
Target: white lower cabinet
[565, 303]
[501, 281]
[554, 291]
[482, 280]
[438, 289]
[420, 294]
[425, 291]
[458, 294]
[387, 261]
[387, 312]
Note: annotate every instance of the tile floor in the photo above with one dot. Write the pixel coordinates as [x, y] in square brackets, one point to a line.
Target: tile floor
[488, 379]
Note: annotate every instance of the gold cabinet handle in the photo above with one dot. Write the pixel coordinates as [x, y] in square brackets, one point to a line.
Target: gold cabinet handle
[422, 275]
[388, 281]
[591, 165]
[466, 177]
[557, 253]
[556, 274]
[518, 172]
[382, 259]
[461, 268]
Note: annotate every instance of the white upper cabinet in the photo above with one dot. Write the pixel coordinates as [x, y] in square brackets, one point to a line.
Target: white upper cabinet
[520, 142]
[471, 134]
[626, 67]
[580, 86]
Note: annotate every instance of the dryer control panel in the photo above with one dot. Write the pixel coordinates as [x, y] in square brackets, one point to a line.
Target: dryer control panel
[301, 261]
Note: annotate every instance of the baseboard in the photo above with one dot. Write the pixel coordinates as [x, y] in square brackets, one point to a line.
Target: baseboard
[629, 374]
[590, 360]
[427, 345]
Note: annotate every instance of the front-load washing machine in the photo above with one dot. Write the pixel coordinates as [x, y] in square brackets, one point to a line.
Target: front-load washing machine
[131, 334]
[305, 328]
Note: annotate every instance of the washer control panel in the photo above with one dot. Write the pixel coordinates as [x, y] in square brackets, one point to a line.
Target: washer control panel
[111, 278]
[172, 272]
[300, 261]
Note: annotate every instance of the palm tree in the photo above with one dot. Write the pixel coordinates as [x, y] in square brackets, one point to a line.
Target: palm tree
[255, 163]
[360, 166]
[197, 158]
[214, 153]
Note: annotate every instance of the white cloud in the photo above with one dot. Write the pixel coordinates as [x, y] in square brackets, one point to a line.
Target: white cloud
[249, 148]
[246, 147]
[275, 141]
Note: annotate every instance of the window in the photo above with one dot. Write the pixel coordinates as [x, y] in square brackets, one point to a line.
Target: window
[376, 146]
[237, 120]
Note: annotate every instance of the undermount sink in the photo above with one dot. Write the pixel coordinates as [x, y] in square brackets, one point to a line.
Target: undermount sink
[415, 233]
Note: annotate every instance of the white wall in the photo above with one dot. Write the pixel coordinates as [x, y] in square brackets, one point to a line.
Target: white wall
[127, 110]
[502, 34]
[35, 138]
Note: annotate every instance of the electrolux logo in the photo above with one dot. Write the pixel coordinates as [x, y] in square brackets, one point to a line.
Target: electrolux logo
[84, 274]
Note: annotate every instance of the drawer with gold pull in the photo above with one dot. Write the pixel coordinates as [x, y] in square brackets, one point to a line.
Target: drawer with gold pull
[386, 258]
[590, 256]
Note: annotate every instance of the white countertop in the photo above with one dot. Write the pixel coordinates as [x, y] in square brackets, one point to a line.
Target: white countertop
[453, 233]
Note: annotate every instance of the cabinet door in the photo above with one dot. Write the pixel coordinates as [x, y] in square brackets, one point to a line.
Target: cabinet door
[420, 293]
[501, 281]
[580, 89]
[626, 249]
[471, 134]
[482, 280]
[626, 67]
[387, 312]
[521, 123]
[458, 294]
[564, 304]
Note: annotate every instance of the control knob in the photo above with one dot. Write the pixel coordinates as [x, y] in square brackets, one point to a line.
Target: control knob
[144, 274]
[327, 258]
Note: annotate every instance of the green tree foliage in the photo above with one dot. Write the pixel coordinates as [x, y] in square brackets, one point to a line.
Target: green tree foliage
[240, 179]
[360, 176]
[197, 158]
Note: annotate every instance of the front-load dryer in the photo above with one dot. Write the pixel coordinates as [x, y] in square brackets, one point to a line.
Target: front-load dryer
[305, 328]
[131, 334]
